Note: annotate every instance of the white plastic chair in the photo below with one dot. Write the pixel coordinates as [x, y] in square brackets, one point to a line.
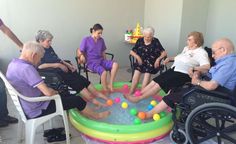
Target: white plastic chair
[32, 124]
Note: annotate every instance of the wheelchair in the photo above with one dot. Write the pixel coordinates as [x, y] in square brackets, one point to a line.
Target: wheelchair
[204, 116]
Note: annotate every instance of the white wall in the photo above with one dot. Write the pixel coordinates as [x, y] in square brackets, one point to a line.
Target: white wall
[165, 17]
[69, 22]
[194, 18]
[221, 21]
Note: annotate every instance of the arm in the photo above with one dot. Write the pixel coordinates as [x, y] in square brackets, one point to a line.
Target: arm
[53, 65]
[208, 85]
[157, 62]
[46, 90]
[11, 35]
[136, 56]
[104, 55]
[169, 59]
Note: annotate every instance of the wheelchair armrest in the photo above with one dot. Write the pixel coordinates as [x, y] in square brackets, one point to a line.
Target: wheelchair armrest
[222, 94]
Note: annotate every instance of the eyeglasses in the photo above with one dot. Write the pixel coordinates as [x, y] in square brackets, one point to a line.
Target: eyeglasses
[214, 52]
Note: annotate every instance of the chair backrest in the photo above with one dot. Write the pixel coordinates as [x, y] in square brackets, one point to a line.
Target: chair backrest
[14, 96]
[209, 52]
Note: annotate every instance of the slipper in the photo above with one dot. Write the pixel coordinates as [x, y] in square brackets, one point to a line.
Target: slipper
[56, 138]
[53, 131]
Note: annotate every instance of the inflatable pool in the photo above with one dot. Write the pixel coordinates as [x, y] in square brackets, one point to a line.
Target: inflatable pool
[119, 127]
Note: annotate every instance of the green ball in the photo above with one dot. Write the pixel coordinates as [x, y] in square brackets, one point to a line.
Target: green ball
[162, 114]
[137, 121]
[133, 111]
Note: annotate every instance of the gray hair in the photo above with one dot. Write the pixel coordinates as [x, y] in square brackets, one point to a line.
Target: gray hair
[33, 47]
[149, 30]
[42, 35]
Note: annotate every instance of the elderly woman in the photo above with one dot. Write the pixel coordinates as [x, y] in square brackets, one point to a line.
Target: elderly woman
[66, 70]
[148, 52]
[192, 58]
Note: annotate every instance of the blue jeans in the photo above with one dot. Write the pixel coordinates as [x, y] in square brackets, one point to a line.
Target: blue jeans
[3, 100]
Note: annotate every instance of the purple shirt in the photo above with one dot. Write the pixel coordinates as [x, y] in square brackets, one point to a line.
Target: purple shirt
[24, 78]
[93, 50]
[1, 23]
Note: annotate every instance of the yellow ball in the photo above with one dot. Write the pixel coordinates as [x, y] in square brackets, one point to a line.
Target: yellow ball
[124, 105]
[153, 103]
[156, 117]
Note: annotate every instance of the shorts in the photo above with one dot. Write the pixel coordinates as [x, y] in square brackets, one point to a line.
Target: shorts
[171, 79]
[105, 65]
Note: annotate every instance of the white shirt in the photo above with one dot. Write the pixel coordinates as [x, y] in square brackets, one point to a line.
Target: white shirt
[189, 59]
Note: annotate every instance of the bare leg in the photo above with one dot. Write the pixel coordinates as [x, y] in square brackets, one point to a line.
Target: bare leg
[157, 109]
[96, 93]
[113, 75]
[104, 80]
[146, 80]
[135, 81]
[152, 91]
[91, 114]
[148, 87]
[89, 96]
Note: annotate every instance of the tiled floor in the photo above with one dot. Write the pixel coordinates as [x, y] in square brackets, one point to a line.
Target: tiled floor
[8, 134]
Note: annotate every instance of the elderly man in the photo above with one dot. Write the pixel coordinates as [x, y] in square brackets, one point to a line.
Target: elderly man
[222, 75]
[5, 119]
[28, 82]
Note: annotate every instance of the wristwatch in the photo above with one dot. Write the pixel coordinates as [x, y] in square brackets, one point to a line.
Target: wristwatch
[199, 82]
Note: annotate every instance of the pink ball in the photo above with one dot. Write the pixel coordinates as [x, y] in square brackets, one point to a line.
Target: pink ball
[117, 100]
[125, 86]
[137, 93]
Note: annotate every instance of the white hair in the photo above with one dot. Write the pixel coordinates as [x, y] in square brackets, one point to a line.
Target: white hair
[149, 30]
[42, 35]
[32, 47]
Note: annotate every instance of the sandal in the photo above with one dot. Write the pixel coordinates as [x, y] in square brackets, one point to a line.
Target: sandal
[56, 138]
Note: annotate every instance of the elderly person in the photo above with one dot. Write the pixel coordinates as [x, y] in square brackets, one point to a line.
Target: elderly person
[193, 57]
[6, 119]
[50, 61]
[92, 50]
[28, 82]
[148, 52]
[222, 76]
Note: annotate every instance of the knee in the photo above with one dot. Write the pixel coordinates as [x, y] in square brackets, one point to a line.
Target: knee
[115, 65]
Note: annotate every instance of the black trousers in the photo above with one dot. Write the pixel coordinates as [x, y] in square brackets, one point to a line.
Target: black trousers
[68, 102]
[3, 100]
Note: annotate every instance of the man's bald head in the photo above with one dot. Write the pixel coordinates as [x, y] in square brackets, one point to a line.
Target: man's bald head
[222, 47]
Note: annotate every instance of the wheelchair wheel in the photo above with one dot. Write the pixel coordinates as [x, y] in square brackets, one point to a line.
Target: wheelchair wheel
[212, 121]
[178, 137]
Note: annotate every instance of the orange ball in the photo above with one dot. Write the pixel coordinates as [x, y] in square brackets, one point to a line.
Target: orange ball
[142, 115]
[109, 102]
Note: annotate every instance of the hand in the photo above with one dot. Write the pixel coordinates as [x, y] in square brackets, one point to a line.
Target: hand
[157, 63]
[140, 62]
[166, 61]
[82, 59]
[132, 98]
[63, 67]
[195, 78]
[72, 68]
[190, 72]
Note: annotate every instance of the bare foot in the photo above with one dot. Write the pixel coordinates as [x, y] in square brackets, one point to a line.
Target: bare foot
[101, 95]
[132, 98]
[111, 88]
[98, 103]
[103, 115]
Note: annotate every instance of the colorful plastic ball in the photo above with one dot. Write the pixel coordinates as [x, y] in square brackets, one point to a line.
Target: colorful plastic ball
[137, 121]
[125, 86]
[117, 100]
[109, 102]
[156, 117]
[150, 107]
[124, 105]
[162, 114]
[142, 115]
[153, 103]
[137, 93]
[133, 111]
